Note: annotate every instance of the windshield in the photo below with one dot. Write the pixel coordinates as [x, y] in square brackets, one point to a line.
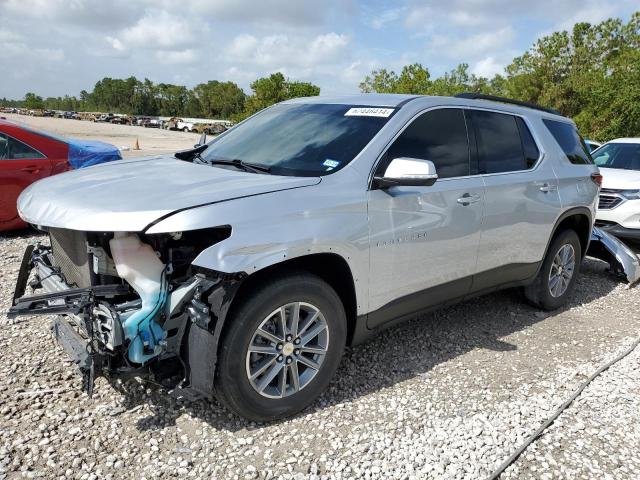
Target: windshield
[625, 156]
[299, 139]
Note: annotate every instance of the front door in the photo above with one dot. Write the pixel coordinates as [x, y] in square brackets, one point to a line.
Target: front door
[20, 166]
[424, 240]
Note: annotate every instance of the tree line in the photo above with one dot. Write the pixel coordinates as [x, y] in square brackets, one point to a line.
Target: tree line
[214, 99]
[591, 74]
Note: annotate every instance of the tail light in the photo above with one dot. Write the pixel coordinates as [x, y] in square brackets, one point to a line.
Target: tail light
[597, 179]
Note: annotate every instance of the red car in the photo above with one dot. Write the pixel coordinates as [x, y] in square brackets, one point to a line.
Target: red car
[27, 155]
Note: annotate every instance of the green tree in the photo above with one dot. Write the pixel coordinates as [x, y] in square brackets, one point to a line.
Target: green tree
[273, 89]
[33, 101]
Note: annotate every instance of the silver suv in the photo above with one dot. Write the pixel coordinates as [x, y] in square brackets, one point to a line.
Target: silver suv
[242, 267]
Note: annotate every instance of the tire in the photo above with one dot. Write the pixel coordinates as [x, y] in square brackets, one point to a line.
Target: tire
[544, 292]
[185, 129]
[237, 391]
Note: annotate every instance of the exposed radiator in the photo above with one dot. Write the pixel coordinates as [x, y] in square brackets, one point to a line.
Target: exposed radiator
[69, 249]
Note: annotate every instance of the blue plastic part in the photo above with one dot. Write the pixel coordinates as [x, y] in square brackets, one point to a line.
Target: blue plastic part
[141, 328]
[84, 153]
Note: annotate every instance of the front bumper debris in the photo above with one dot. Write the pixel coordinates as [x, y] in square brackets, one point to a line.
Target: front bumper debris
[78, 303]
[618, 230]
[622, 260]
[89, 325]
[79, 350]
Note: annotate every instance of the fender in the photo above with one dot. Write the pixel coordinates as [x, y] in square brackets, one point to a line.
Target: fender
[279, 226]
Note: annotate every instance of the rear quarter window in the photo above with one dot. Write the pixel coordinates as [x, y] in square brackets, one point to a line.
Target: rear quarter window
[570, 141]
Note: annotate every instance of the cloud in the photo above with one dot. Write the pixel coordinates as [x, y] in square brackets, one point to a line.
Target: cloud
[180, 56]
[57, 47]
[487, 67]
[83, 14]
[156, 30]
[284, 51]
[378, 20]
[281, 12]
[474, 46]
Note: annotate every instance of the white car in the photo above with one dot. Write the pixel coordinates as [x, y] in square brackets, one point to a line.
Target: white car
[184, 126]
[592, 144]
[619, 206]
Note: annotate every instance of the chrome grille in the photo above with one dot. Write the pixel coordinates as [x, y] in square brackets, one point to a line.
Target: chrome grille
[609, 199]
[69, 249]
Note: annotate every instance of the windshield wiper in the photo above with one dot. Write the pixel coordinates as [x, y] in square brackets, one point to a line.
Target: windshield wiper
[241, 164]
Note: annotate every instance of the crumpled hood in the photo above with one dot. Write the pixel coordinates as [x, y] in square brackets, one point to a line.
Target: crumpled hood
[620, 179]
[128, 195]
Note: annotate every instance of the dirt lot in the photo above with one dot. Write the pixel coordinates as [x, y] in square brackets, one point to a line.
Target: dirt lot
[151, 140]
[449, 395]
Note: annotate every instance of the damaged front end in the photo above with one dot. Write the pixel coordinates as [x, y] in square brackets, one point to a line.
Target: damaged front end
[131, 304]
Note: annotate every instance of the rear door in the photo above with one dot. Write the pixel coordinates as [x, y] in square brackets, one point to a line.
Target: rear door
[20, 166]
[521, 198]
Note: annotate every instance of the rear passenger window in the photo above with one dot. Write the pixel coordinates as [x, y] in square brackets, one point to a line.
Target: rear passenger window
[440, 136]
[529, 147]
[4, 147]
[570, 141]
[500, 148]
[21, 151]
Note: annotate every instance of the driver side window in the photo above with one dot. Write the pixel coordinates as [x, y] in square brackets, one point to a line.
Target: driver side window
[440, 136]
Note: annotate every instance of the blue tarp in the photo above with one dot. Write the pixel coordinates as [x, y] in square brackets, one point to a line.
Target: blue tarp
[84, 153]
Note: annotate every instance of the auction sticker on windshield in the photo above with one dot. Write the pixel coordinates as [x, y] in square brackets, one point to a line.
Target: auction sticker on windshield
[368, 112]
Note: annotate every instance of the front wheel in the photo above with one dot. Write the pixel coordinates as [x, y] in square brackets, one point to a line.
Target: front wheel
[558, 275]
[282, 347]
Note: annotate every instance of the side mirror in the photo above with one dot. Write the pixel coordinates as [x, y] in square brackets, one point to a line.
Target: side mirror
[203, 139]
[412, 172]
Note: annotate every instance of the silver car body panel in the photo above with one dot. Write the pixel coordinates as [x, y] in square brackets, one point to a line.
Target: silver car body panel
[619, 256]
[129, 195]
[395, 242]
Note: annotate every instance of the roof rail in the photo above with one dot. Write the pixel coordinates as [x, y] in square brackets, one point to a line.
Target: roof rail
[495, 98]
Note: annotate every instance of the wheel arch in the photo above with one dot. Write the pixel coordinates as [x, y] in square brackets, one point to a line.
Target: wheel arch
[578, 219]
[330, 267]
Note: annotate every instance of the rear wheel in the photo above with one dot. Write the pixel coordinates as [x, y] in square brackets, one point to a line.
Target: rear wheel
[557, 277]
[282, 347]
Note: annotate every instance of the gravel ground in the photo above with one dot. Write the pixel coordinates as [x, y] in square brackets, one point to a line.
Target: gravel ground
[449, 395]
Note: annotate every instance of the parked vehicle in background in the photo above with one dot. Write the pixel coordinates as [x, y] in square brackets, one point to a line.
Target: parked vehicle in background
[152, 123]
[124, 120]
[248, 263]
[172, 123]
[140, 120]
[209, 128]
[184, 125]
[105, 117]
[27, 155]
[619, 206]
[592, 144]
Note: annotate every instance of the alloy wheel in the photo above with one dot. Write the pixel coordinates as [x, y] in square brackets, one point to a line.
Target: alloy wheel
[287, 350]
[562, 269]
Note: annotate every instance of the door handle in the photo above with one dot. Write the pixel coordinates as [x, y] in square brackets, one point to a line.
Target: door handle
[468, 199]
[31, 169]
[547, 187]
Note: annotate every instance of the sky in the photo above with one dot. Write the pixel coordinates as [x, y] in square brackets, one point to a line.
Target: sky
[58, 47]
